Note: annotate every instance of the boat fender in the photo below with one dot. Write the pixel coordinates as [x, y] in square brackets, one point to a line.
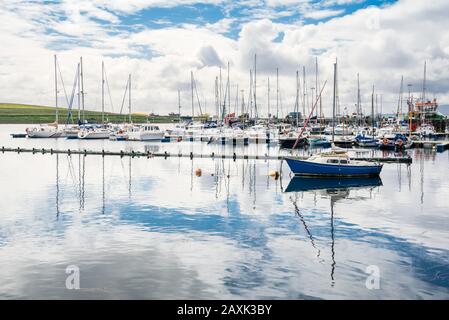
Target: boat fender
[191, 155]
[198, 172]
[234, 156]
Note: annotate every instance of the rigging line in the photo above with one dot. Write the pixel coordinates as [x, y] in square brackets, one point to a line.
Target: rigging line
[62, 81]
[197, 97]
[109, 91]
[124, 96]
[72, 97]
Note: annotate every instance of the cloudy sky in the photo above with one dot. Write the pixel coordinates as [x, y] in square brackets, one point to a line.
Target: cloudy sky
[161, 42]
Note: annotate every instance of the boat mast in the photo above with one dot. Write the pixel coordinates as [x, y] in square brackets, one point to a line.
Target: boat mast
[82, 87]
[179, 104]
[277, 94]
[102, 91]
[236, 107]
[268, 99]
[304, 92]
[229, 92]
[424, 92]
[220, 95]
[56, 91]
[255, 86]
[191, 87]
[297, 98]
[359, 112]
[334, 100]
[79, 90]
[243, 102]
[250, 98]
[399, 110]
[129, 96]
[372, 110]
[316, 84]
[424, 83]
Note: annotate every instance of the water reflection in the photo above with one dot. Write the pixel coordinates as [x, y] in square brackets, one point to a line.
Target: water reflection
[152, 228]
[333, 189]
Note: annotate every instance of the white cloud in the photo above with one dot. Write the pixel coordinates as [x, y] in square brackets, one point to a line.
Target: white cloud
[379, 43]
[321, 14]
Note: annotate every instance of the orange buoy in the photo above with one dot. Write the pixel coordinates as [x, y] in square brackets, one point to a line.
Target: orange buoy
[198, 172]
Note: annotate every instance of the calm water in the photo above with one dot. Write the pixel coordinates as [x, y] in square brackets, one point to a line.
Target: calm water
[150, 228]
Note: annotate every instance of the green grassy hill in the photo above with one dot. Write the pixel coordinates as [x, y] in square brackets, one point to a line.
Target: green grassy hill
[24, 113]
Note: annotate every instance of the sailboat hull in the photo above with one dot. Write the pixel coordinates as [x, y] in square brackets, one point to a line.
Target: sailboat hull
[309, 168]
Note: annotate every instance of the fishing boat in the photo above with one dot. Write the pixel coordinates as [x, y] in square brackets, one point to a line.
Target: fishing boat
[145, 132]
[335, 164]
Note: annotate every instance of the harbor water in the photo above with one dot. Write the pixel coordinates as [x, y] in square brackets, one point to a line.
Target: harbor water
[139, 228]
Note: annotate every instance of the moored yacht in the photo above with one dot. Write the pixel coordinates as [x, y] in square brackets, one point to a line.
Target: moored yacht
[45, 131]
[145, 132]
[334, 163]
[94, 132]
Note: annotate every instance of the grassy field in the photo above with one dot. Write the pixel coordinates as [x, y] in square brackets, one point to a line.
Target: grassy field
[24, 113]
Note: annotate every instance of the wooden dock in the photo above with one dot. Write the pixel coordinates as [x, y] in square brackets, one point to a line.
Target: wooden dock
[190, 155]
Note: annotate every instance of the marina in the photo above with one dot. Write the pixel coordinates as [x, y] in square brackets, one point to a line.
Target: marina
[233, 218]
[221, 156]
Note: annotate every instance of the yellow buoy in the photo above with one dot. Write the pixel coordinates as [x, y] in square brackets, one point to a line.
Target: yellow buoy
[198, 172]
[273, 173]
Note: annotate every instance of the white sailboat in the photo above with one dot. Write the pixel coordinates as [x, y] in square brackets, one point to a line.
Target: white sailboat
[50, 130]
[97, 131]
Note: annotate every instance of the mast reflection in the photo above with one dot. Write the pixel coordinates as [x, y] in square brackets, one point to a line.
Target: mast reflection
[335, 189]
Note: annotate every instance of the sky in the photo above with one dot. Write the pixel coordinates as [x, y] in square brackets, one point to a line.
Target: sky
[161, 42]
